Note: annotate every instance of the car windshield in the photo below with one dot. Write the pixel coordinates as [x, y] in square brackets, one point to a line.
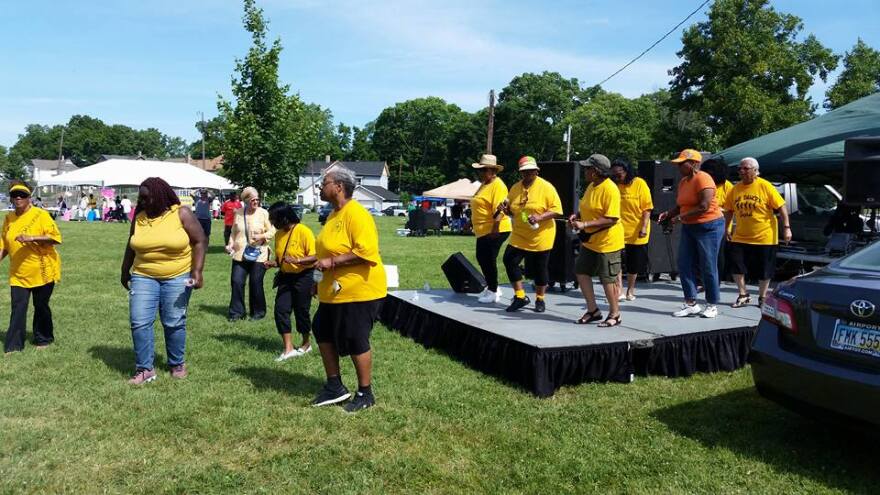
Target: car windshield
[866, 259]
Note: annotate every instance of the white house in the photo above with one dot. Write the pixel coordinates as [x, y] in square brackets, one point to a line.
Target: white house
[40, 170]
[372, 179]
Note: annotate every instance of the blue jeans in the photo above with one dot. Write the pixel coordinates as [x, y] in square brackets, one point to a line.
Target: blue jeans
[170, 297]
[699, 247]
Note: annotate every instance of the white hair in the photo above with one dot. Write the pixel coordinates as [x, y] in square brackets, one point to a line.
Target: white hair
[751, 162]
[344, 176]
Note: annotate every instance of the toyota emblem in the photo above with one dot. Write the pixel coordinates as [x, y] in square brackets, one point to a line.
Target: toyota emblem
[862, 308]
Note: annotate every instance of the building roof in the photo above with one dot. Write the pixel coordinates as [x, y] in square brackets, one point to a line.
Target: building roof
[382, 193]
[104, 158]
[361, 169]
[66, 166]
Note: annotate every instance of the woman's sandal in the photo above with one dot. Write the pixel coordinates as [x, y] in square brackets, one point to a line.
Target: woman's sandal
[742, 300]
[589, 317]
[616, 318]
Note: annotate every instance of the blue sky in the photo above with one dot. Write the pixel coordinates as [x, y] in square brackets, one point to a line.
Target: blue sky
[157, 63]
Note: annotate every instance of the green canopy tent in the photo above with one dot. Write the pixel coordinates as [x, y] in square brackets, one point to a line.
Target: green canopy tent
[811, 151]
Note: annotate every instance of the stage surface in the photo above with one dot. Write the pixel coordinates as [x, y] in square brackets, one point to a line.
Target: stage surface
[543, 351]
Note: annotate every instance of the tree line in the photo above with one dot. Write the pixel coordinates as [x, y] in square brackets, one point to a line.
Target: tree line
[745, 71]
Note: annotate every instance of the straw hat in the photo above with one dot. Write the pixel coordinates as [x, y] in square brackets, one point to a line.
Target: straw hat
[528, 163]
[488, 161]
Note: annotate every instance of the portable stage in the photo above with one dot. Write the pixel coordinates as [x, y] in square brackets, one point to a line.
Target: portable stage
[543, 351]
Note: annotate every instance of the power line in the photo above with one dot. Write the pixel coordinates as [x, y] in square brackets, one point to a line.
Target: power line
[655, 43]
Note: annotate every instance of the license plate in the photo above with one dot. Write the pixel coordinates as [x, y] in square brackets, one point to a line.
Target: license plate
[856, 337]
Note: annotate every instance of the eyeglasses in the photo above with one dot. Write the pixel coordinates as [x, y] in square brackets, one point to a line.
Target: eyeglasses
[19, 194]
[746, 168]
[254, 199]
[322, 185]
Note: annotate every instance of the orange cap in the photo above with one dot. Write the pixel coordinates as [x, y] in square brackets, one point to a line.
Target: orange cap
[688, 154]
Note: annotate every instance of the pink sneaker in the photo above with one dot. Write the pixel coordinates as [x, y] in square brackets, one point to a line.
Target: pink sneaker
[179, 371]
[143, 376]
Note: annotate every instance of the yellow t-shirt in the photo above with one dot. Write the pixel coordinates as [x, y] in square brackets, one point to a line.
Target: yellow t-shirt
[602, 201]
[351, 229]
[753, 206]
[484, 205]
[635, 198]
[30, 264]
[161, 245]
[541, 197]
[302, 244]
[721, 193]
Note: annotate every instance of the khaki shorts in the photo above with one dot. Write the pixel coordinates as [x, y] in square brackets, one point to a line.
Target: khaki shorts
[606, 266]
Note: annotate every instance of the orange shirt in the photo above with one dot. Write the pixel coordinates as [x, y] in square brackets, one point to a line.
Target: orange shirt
[689, 197]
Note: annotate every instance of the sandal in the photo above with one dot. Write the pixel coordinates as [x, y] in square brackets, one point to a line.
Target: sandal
[589, 317]
[742, 300]
[616, 318]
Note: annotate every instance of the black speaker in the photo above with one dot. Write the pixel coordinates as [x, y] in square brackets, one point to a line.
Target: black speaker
[462, 275]
[663, 250]
[662, 179]
[562, 256]
[566, 178]
[861, 171]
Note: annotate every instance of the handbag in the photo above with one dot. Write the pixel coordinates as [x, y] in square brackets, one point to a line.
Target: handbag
[279, 257]
[251, 253]
[584, 237]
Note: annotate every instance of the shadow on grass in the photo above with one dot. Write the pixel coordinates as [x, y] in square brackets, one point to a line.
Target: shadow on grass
[120, 359]
[216, 250]
[264, 344]
[749, 425]
[215, 309]
[295, 384]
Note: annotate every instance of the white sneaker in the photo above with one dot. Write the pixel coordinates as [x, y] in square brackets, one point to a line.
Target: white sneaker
[687, 310]
[710, 312]
[497, 295]
[486, 297]
[287, 355]
[303, 352]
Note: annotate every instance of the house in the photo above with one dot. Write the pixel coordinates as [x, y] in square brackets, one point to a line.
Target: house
[43, 169]
[372, 179]
[208, 164]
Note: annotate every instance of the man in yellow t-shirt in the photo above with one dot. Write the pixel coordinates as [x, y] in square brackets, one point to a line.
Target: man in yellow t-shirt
[351, 290]
[534, 206]
[754, 203]
[635, 214]
[490, 223]
[599, 219]
[29, 237]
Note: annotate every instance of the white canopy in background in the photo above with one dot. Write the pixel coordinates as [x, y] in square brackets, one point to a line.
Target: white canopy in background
[460, 189]
[118, 172]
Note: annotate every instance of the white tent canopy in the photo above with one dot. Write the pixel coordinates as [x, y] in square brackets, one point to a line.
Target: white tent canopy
[118, 172]
[460, 189]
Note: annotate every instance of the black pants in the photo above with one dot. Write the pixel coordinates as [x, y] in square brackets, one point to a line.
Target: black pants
[227, 233]
[252, 272]
[206, 226]
[488, 247]
[294, 293]
[43, 328]
[537, 263]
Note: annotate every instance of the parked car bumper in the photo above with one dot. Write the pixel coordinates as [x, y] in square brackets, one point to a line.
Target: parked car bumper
[812, 386]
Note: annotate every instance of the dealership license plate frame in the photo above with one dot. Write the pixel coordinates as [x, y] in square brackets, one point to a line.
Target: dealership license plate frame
[855, 344]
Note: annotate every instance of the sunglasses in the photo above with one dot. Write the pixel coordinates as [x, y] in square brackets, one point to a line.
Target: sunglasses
[19, 195]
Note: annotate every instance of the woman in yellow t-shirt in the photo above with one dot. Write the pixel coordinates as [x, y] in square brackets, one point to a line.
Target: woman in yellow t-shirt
[249, 247]
[351, 290]
[491, 225]
[635, 214]
[599, 218]
[162, 265]
[534, 205]
[293, 283]
[29, 238]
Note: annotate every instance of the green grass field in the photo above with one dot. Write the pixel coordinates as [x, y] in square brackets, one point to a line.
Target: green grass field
[241, 422]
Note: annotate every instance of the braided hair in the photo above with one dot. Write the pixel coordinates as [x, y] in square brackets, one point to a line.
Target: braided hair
[162, 197]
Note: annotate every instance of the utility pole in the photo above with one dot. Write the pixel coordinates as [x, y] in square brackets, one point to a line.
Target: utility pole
[203, 139]
[60, 152]
[491, 131]
[568, 144]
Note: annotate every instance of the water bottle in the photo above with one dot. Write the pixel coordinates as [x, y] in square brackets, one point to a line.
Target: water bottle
[317, 276]
[426, 287]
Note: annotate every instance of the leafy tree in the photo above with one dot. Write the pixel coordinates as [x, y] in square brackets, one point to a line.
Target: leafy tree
[362, 143]
[11, 166]
[860, 76]
[466, 142]
[745, 71]
[269, 135]
[214, 141]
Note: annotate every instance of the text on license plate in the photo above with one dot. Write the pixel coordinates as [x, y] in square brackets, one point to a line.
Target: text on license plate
[856, 337]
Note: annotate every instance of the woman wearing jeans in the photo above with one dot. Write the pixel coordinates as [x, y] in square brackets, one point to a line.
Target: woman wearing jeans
[701, 233]
[162, 265]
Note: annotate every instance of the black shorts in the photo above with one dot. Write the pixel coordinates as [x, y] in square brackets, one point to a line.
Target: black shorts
[752, 260]
[346, 325]
[635, 258]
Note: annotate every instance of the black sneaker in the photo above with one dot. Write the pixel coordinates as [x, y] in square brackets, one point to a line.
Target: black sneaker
[540, 307]
[360, 401]
[330, 395]
[518, 303]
